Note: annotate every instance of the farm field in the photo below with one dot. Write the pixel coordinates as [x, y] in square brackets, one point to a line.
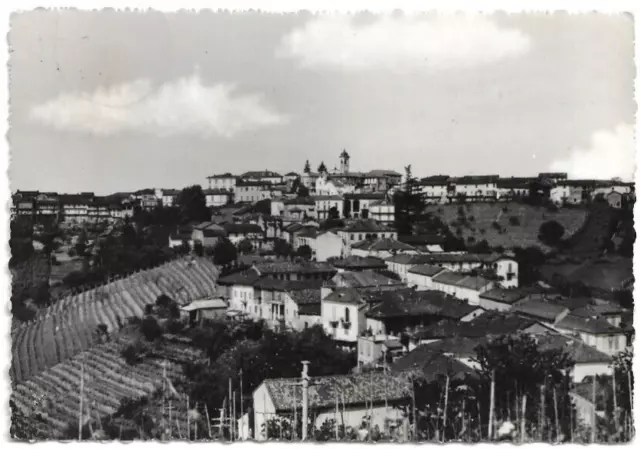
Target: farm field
[480, 217]
[69, 326]
[54, 393]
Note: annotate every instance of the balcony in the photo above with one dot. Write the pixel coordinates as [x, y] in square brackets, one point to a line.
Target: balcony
[333, 324]
[346, 325]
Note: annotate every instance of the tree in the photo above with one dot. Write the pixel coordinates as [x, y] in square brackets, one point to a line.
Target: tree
[303, 191]
[224, 252]
[551, 233]
[529, 260]
[245, 247]
[150, 328]
[307, 167]
[304, 252]
[334, 214]
[198, 248]
[192, 204]
[282, 248]
[322, 168]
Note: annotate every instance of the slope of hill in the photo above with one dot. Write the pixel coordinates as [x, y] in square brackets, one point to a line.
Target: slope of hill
[590, 240]
[54, 394]
[69, 326]
[506, 224]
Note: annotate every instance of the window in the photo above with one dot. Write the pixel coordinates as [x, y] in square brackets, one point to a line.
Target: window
[351, 236]
[306, 325]
[346, 314]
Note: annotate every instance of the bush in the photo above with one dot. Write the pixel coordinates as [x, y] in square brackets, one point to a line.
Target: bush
[471, 240]
[150, 328]
[551, 232]
[505, 209]
[496, 226]
[483, 231]
[514, 221]
[461, 211]
[133, 353]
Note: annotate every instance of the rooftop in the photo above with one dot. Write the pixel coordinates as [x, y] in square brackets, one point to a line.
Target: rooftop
[242, 228]
[540, 308]
[216, 303]
[353, 389]
[294, 267]
[427, 270]
[462, 280]
[504, 295]
[578, 350]
[307, 296]
[352, 262]
[366, 226]
[261, 174]
[597, 325]
[433, 364]
[247, 277]
[365, 278]
[401, 303]
[385, 244]
[223, 175]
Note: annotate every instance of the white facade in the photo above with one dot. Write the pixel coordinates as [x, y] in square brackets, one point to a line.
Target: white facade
[222, 182]
[382, 211]
[242, 298]
[217, 199]
[335, 314]
[507, 269]
[582, 370]
[471, 295]
[560, 193]
[327, 245]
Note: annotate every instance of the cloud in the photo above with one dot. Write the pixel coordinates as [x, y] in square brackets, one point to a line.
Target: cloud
[185, 106]
[400, 43]
[610, 155]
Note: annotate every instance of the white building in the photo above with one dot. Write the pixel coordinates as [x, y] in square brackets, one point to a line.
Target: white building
[382, 211]
[217, 197]
[324, 204]
[224, 181]
[462, 286]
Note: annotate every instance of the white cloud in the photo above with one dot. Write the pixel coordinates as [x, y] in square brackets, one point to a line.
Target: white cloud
[185, 106]
[436, 42]
[610, 155]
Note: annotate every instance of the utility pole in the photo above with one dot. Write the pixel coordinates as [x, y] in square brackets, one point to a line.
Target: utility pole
[305, 398]
[80, 417]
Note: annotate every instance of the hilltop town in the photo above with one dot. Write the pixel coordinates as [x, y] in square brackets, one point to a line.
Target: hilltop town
[369, 305]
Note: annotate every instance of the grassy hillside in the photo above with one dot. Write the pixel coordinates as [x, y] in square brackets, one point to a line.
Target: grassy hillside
[505, 224]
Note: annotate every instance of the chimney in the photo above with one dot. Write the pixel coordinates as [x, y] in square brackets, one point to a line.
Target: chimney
[305, 398]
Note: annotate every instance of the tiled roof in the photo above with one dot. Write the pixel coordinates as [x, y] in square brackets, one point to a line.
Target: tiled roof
[365, 278]
[307, 296]
[224, 175]
[484, 179]
[578, 350]
[297, 267]
[364, 196]
[217, 192]
[433, 364]
[261, 174]
[291, 173]
[597, 325]
[300, 201]
[216, 303]
[504, 295]
[462, 280]
[267, 283]
[539, 308]
[359, 262]
[457, 346]
[435, 180]
[596, 310]
[310, 232]
[353, 389]
[400, 303]
[382, 173]
[407, 259]
[514, 183]
[361, 296]
[366, 226]
[422, 239]
[242, 228]
[326, 198]
[385, 244]
[427, 270]
[246, 277]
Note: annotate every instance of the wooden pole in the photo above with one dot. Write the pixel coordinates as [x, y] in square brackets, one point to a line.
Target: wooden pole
[370, 403]
[413, 406]
[206, 411]
[232, 422]
[492, 404]
[593, 415]
[294, 431]
[188, 421]
[80, 417]
[444, 413]
[241, 397]
[542, 412]
[555, 409]
[523, 421]
[615, 398]
[230, 409]
[164, 377]
[336, 419]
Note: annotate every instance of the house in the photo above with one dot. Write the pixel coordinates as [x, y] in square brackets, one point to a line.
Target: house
[225, 181]
[501, 298]
[364, 278]
[509, 189]
[362, 229]
[477, 187]
[400, 264]
[264, 176]
[614, 199]
[326, 204]
[378, 350]
[309, 179]
[207, 233]
[74, 207]
[326, 245]
[237, 232]
[379, 395]
[276, 300]
[462, 286]
[217, 197]
[239, 292]
[424, 243]
[329, 185]
[358, 263]
[205, 309]
[381, 180]
[434, 188]
[298, 209]
[596, 332]
[588, 361]
[183, 234]
[613, 313]
[302, 308]
[248, 191]
[399, 310]
[486, 323]
[541, 309]
[293, 271]
[421, 276]
[433, 365]
[381, 248]
[358, 205]
[461, 348]
[382, 211]
[169, 197]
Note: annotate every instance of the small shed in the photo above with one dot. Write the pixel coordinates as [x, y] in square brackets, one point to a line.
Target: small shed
[202, 309]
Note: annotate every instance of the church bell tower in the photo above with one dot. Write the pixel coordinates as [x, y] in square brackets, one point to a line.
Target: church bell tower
[344, 161]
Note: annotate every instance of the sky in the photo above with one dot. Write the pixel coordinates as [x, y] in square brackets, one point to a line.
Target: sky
[108, 101]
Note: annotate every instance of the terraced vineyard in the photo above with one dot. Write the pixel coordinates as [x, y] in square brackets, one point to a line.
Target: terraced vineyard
[69, 326]
[505, 233]
[54, 394]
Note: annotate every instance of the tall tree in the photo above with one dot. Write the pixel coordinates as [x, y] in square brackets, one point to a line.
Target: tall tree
[224, 252]
[322, 168]
[192, 204]
[409, 204]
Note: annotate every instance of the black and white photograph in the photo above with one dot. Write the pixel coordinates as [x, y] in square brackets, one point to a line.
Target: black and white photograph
[312, 226]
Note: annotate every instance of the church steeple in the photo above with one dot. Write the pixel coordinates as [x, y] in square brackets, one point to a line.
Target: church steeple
[344, 161]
